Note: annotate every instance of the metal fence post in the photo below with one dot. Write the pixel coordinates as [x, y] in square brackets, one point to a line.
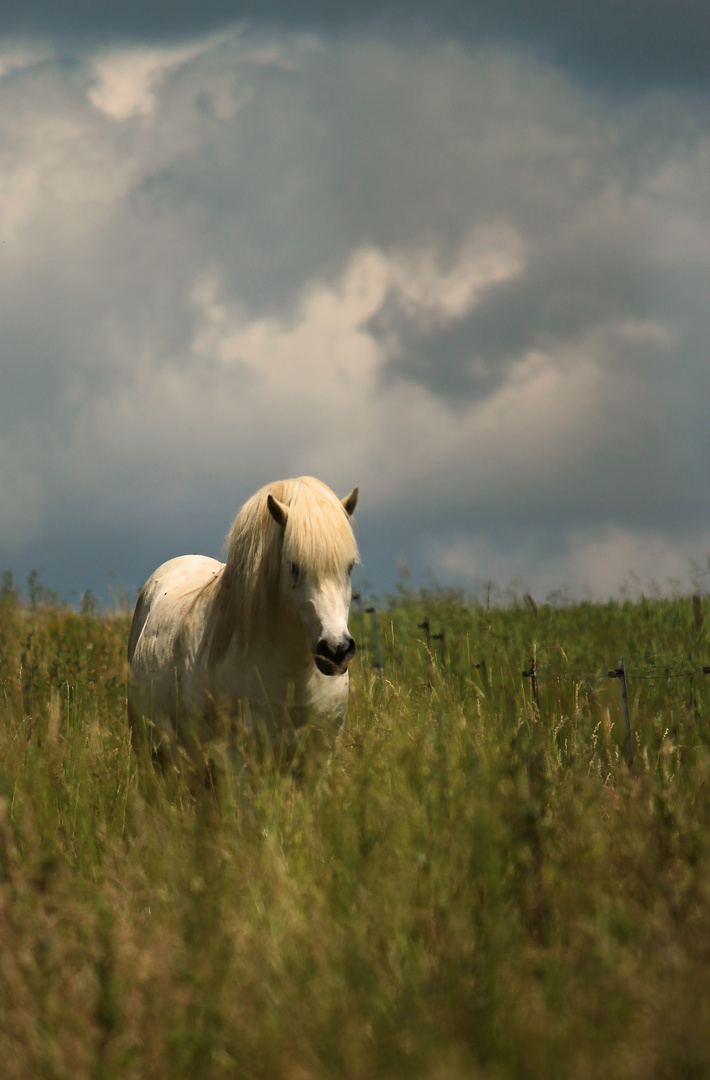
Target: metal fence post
[441, 638]
[427, 630]
[357, 597]
[429, 660]
[532, 674]
[620, 674]
[371, 611]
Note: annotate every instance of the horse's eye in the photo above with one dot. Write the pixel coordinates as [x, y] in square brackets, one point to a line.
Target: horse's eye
[295, 572]
[350, 567]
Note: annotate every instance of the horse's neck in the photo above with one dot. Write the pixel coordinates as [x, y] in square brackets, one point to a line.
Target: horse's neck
[276, 667]
[284, 643]
[279, 644]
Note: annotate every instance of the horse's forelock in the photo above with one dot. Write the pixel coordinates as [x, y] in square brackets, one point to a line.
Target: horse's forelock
[318, 536]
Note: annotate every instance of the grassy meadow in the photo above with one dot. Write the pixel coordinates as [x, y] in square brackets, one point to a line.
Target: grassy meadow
[470, 887]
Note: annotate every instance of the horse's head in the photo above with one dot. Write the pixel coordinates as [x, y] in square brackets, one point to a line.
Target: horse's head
[318, 555]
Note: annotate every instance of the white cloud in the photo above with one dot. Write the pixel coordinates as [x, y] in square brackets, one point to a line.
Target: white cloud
[330, 325]
[309, 391]
[304, 392]
[127, 81]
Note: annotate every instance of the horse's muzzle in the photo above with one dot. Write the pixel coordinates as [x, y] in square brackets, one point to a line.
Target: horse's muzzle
[333, 661]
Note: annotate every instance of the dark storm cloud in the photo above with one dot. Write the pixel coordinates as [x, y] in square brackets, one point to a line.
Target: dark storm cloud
[447, 273]
[588, 273]
[624, 42]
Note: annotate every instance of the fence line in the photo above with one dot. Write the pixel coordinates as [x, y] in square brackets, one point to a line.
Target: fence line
[561, 677]
[533, 672]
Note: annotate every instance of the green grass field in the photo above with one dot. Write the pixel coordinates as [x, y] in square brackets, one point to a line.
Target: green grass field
[469, 888]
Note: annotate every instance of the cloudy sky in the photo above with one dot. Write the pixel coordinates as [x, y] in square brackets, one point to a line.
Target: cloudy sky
[456, 254]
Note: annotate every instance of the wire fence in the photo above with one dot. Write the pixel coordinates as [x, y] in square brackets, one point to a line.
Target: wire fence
[435, 643]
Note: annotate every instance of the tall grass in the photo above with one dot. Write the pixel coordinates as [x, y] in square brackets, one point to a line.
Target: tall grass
[468, 887]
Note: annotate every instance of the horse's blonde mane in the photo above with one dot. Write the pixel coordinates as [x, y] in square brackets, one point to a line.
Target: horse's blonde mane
[318, 537]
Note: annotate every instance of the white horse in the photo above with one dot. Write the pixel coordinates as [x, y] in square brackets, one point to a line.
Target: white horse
[261, 640]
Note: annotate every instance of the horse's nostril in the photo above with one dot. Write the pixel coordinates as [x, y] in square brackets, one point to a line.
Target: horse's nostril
[345, 650]
[339, 654]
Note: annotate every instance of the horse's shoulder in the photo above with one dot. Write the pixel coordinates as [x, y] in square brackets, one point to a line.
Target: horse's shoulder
[180, 576]
[173, 591]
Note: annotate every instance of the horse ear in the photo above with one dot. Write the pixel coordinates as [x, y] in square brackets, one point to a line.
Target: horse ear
[350, 501]
[278, 510]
